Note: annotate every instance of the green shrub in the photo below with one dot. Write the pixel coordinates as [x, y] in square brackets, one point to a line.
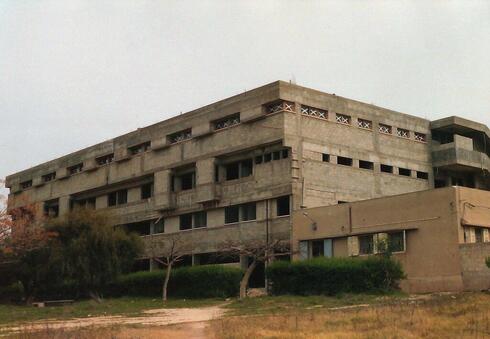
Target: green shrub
[207, 281]
[334, 275]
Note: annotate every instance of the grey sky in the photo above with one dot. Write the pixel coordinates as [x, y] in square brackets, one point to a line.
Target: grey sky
[74, 73]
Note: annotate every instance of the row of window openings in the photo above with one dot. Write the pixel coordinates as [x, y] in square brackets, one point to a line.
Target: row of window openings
[362, 123]
[369, 165]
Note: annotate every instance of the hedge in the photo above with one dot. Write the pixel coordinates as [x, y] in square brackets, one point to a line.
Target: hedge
[330, 276]
[207, 281]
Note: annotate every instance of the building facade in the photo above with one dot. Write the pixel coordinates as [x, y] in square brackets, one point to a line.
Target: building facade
[441, 237]
[237, 168]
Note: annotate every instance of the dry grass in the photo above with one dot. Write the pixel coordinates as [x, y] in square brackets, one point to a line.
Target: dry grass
[449, 316]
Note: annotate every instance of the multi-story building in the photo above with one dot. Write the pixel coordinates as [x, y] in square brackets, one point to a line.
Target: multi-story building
[238, 167]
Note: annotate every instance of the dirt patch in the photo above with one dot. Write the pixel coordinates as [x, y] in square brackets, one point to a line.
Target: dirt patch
[159, 317]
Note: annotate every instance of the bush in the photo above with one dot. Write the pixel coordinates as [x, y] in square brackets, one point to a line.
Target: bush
[207, 281]
[334, 275]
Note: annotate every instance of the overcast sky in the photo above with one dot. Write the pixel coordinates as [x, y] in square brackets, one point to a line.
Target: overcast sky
[74, 73]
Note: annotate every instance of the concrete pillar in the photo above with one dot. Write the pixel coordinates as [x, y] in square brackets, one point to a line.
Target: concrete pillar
[205, 171]
[134, 194]
[64, 205]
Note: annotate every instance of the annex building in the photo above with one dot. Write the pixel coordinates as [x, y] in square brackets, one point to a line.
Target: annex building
[240, 167]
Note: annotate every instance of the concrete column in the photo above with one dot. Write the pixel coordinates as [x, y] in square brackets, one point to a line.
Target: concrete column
[64, 205]
[205, 171]
[101, 202]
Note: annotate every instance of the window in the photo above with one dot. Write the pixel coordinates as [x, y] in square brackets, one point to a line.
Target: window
[396, 241]
[344, 161]
[26, 184]
[259, 159]
[185, 222]
[104, 160]
[276, 155]
[159, 226]
[75, 169]
[243, 212]
[314, 112]
[285, 153]
[180, 136]
[232, 214]
[365, 124]
[239, 169]
[146, 191]
[405, 172]
[49, 177]
[385, 129]
[386, 169]
[193, 220]
[117, 198]
[422, 175]
[343, 119]
[478, 234]
[366, 244]
[52, 208]
[228, 121]
[420, 137]
[282, 205]
[325, 157]
[140, 227]
[317, 248]
[438, 183]
[140, 148]
[267, 157]
[366, 165]
[403, 133]
[184, 181]
[280, 106]
[88, 203]
[457, 181]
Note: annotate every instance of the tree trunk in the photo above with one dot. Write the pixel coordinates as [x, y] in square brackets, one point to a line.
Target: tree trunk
[165, 283]
[246, 278]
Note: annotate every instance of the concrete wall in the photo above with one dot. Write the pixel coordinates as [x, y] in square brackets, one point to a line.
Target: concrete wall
[475, 273]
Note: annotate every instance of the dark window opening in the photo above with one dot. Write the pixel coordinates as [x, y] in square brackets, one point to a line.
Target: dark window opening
[239, 169]
[478, 234]
[422, 175]
[216, 173]
[49, 177]
[26, 184]
[187, 181]
[140, 148]
[88, 203]
[180, 136]
[276, 155]
[439, 183]
[159, 226]
[140, 228]
[259, 159]
[317, 248]
[405, 172]
[366, 244]
[146, 191]
[200, 219]
[249, 211]
[366, 165]
[104, 160]
[117, 198]
[283, 207]
[267, 157]
[457, 181]
[325, 157]
[52, 208]
[285, 153]
[386, 169]
[185, 222]
[232, 214]
[228, 121]
[396, 241]
[75, 169]
[232, 171]
[340, 202]
[344, 161]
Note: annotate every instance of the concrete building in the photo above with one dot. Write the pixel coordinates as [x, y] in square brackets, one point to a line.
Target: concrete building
[441, 237]
[238, 167]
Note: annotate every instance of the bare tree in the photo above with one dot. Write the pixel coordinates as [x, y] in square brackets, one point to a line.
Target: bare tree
[169, 251]
[258, 251]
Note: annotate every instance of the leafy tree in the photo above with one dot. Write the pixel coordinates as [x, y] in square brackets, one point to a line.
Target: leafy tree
[93, 251]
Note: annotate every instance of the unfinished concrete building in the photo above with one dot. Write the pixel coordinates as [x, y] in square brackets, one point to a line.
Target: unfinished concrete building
[237, 168]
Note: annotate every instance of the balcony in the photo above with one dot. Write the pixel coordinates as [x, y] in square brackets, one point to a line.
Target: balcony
[459, 155]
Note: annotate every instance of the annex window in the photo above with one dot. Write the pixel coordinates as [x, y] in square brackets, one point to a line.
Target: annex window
[314, 112]
[344, 161]
[26, 184]
[396, 241]
[104, 160]
[140, 148]
[386, 168]
[228, 121]
[385, 129]
[325, 157]
[146, 191]
[117, 198]
[403, 133]
[239, 169]
[365, 124]
[343, 119]
[243, 212]
[180, 136]
[420, 137]
[75, 169]
[49, 177]
[422, 175]
[280, 106]
[366, 244]
[366, 165]
[282, 206]
[405, 172]
[193, 220]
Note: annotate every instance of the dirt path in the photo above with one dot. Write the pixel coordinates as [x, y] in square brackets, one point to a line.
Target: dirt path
[155, 317]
